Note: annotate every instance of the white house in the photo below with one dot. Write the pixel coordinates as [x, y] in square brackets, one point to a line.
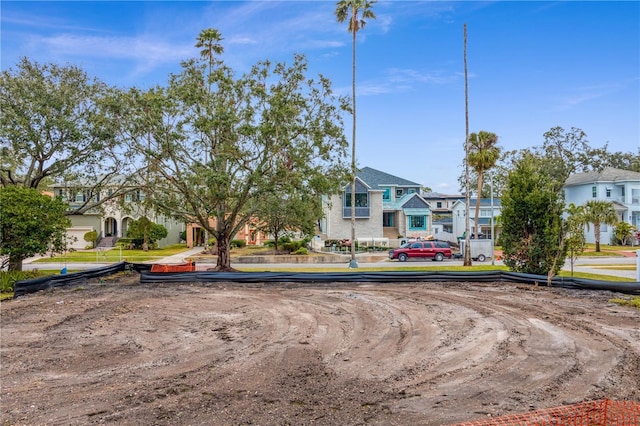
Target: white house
[387, 208]
[488, 208]
[111, 218]
[621, 187]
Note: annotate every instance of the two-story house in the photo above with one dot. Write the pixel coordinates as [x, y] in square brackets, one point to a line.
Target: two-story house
[621, 187]
[111, 218]
[387, 208]
[442, 217]
[489, 208]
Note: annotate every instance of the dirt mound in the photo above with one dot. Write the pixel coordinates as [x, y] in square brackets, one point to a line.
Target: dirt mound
[230, 354]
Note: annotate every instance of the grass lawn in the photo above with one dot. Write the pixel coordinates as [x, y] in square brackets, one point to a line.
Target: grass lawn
[114, 255]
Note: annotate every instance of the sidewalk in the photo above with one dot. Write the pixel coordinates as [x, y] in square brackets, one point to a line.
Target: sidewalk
[178, 258]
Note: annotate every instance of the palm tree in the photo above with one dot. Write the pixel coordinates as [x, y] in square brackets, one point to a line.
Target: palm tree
[209, 41]
[356, 11]
[599, 212]
[483, 155]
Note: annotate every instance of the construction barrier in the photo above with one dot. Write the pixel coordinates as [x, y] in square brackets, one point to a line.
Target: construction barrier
[603, 412]
[183, 267]
[189, 273]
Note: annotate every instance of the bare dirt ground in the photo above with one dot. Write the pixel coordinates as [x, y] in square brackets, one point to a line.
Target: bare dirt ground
[383, 354]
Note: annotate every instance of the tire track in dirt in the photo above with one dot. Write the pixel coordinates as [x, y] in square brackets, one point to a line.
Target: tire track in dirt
[414, 353]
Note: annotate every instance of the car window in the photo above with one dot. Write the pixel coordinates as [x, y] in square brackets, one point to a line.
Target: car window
[416, 245]
[442, 245]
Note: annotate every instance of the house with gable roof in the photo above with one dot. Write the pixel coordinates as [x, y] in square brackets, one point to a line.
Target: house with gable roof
[621, 187]
[387, 207]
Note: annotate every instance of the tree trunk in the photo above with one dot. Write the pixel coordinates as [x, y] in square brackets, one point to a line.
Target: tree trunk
[224, 253]
[596, 234]
[15, 263]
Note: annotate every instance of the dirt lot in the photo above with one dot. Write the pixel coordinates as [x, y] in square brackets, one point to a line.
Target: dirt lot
[383, 354]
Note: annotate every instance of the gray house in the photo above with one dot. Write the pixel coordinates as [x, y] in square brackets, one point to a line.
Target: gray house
[387, 208]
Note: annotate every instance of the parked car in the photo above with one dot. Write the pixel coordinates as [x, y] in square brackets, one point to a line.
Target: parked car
[436, 250]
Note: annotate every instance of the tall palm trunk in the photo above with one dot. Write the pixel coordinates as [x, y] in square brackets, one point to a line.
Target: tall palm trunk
[467, 245]
[353, 263]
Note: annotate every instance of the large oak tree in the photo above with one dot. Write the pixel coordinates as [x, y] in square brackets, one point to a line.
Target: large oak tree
[217, 144]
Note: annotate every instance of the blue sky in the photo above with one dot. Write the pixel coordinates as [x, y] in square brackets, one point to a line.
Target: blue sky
[532, 65]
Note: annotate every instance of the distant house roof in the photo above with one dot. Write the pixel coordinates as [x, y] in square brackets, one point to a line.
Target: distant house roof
[437, 195]
[484, 202]
[608, 174]
[377, 179]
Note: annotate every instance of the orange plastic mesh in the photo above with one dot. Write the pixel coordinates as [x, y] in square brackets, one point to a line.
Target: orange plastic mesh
[184, 267]
[603, 412]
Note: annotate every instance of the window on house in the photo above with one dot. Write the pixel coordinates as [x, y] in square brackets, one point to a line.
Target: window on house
[439, 204]
[485, 212]
[622, 191]
[594, 192]
[412, 191]
[80, 198]
[417, 222]
[608, 192]
[362, 200]
[399, 192]
[386, 194]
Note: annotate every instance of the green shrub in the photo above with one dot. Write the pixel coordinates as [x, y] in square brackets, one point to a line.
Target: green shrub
[284, 239]
[8, 279]
[269, 243]
[91, 237]
[238, 243]
[301, 251]
[183, 236]
[124, 243]
[292, 246]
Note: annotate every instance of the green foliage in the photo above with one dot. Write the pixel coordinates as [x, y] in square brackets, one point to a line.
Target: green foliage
[575, 240]
[54, 126]
[143, 230]
[293, 246]
[30, 224]
[91, 237]
[623, 234]
[183, 236]
[531, 220]
[8, 279]
[599, 212]
[126, 243]
[301, 251]
[219, 142]
[238, 243]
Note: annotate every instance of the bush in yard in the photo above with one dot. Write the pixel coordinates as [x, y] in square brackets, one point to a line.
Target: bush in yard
[91, 237]
[238, 243]
[301, 251]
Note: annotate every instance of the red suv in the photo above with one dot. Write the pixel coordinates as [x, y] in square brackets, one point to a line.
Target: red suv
[437, 250]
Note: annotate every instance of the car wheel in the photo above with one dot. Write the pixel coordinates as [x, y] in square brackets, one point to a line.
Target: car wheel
[481, 258]
[439, 257]
[402, 257]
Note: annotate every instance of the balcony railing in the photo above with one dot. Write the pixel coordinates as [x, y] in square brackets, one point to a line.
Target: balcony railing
[361, 212]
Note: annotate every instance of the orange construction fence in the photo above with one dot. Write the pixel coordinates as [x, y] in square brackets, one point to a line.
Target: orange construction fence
[603, 412]
[183, 267]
